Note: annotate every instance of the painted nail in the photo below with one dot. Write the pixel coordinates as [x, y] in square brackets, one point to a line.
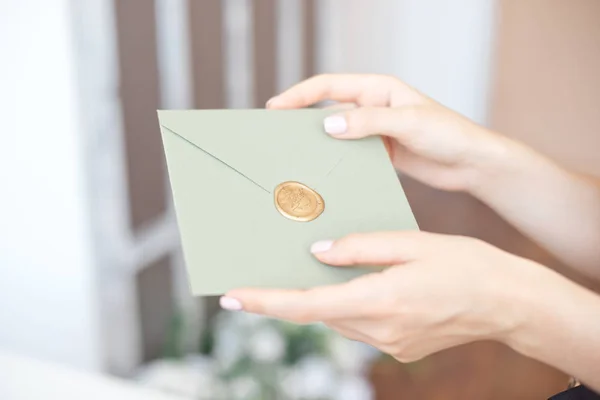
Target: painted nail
[230, 304]
[321, 247]
[335, 125]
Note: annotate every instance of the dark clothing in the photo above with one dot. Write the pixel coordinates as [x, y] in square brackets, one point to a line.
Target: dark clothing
[576, 393]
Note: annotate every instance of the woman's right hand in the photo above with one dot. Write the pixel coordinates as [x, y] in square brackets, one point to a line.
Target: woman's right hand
[560, 210]
[424, 139]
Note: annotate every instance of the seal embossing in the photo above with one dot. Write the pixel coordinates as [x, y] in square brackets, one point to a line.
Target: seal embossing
[298, 202]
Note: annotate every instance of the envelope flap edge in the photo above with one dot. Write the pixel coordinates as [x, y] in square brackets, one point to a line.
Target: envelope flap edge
[267, 146]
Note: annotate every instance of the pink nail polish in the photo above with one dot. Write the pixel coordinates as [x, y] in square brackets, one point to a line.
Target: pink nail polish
[230, 304]
[335, 125]
[321, 246]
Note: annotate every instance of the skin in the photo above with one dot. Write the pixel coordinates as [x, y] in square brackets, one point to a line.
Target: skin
[441, 291]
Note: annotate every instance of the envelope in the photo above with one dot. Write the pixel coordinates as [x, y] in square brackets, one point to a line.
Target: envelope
[225, 168]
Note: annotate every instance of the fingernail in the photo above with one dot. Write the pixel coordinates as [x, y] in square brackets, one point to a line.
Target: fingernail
[335, 125]
[230, 304]
[321, 247]
[270, 101]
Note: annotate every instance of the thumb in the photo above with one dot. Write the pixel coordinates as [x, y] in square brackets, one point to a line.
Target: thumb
[374, 249]
[400, 123]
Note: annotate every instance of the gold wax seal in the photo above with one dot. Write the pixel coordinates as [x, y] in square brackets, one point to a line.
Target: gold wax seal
[298, 202]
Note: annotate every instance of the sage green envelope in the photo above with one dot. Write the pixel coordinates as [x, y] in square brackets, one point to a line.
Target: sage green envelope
[224, 166]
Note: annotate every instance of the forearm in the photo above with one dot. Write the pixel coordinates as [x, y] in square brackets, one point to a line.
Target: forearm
[561, 328]
[557, 209]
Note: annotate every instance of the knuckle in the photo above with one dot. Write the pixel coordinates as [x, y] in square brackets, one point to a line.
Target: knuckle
[391, 78]
[358, 254]
[385, 79]
[405, 359]
[385, 349]
[367, 120]
[425, 240]
[356, 118]
[399, 352]
[476, 242]
[322, 80]
[406, 355]
[320, 77]
[468, 242]
[396, 350]
[350, 240]
[388, 337]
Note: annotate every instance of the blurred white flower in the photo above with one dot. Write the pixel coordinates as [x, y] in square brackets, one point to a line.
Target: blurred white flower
[266, 345]
[200, 363]
[351, 356]
[229, 347]
[227, 321]
[249, 320]
[316, 377]
[290, 383]
[242, 337]
[179, 377]
[240, 321]
[244, 387]
[353, 388]
[215, 389]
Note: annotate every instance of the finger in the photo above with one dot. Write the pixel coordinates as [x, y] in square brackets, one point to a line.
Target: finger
[401, 123]
[303, 306]
[373, 249]
[363, 89]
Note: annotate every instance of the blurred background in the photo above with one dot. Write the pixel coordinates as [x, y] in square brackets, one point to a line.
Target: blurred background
[94, 301]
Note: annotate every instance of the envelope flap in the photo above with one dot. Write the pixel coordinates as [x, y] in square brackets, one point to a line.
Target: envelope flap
[266, 146]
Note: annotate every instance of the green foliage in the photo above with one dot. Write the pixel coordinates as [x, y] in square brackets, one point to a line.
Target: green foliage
[241, 367]
[173, 345]
[207, 342]
[302, 340]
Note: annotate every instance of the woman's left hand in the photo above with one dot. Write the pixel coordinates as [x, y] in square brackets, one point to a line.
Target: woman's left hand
[438, 292]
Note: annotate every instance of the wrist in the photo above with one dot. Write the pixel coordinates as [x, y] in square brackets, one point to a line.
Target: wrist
[562, 329]
[545, 301]
[496, 164]
[530, 298]
[514, 300]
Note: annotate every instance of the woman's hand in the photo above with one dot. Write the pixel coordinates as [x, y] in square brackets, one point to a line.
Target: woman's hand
[558, 209]
[424, 139]
[439, 291]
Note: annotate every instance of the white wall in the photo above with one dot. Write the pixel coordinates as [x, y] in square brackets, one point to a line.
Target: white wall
[441, 47]
[47, 306]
